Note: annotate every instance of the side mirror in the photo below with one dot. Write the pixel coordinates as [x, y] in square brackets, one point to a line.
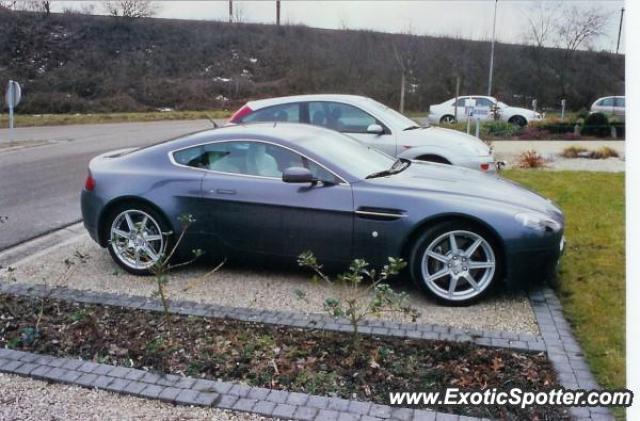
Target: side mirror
[297, 175]
[375, 129]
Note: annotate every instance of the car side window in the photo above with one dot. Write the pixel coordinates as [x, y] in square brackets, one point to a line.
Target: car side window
[461, 101]
[620, 102]
[606, 102]
[340, 117]
[484, 102]
[249, 158]
[284, 112]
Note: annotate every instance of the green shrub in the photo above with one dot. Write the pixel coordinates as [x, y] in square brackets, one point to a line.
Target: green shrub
[596, 124]
[500, 129]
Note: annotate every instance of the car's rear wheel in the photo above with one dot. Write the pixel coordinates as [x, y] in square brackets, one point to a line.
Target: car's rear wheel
[447, 119]
[455, 262]
[138, 237]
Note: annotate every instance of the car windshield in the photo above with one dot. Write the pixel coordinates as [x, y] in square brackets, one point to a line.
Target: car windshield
[397, 118]
[350, 154]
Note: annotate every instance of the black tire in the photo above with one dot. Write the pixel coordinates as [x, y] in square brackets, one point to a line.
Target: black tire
[433, 158]
[151, 212]
[434, 233]
[518, 120]
[447, 119]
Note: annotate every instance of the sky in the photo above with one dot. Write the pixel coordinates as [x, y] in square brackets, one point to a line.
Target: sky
[471, 19]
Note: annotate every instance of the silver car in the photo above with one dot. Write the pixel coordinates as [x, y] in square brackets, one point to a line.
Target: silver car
[610, 105]
[376, 125]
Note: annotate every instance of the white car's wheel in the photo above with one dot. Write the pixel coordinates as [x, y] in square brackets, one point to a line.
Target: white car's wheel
[447, 119]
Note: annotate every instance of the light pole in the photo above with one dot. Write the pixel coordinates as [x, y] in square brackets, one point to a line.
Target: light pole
[493, 48]
[620, 30]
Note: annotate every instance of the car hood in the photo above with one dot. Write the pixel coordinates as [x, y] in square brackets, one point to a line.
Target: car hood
[448, 179]
[445, 138]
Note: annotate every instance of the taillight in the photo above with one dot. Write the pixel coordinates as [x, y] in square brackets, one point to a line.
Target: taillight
[238, 115]
[485, 167]
[89, 183]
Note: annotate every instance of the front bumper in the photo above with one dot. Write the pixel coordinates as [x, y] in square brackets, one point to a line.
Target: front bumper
[484, 164]
[536, 262]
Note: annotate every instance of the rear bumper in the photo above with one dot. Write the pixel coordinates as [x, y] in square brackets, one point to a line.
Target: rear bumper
[91, 206]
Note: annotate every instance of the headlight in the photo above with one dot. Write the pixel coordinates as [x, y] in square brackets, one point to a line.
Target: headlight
[538, 222]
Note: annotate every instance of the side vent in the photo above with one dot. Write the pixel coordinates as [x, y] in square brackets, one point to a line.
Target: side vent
[380, 214]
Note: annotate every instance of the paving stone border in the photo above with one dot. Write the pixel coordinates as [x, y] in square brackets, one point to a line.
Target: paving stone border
[509, 340]
[200, 392]
[564, 352]
[556, 339]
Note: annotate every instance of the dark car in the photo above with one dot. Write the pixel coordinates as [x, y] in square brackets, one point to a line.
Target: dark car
[282, 188]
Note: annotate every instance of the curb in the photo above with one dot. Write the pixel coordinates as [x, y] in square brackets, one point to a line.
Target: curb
[564, 352]
[200, 392]
[508, 340]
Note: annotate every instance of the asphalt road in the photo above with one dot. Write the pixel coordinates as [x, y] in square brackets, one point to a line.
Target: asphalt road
[42, 176]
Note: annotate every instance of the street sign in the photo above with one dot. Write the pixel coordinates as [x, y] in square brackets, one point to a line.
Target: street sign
[13, 94]
[481, 112]
[12, 98]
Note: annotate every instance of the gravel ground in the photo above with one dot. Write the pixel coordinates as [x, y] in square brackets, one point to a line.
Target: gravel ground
[254, 288]
[26, 399]
[551, 149]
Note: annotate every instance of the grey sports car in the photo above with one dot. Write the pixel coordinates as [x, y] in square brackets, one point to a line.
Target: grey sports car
[284, 188]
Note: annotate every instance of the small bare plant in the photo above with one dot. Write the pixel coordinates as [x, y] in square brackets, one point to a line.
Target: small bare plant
[573, 151]
[604, 153]
[163, 266]
[360, 301]
[530, 159]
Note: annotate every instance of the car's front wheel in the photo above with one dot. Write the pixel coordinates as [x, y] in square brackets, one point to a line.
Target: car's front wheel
[137, 238]
[518, 120]
[455, 262]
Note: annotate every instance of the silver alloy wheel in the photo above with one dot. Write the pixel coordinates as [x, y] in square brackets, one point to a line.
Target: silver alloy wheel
[448, 119]
[458, 265]
[136, 239]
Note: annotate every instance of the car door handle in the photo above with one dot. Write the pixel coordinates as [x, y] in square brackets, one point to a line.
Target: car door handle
[223, 191]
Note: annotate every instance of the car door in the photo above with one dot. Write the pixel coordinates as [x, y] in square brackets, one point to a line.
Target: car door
[252, 210]
[619, 107]
[483, 108]
[352, 121]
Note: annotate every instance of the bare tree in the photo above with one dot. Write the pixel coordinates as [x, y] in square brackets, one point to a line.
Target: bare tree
[7, 4]
[542, 18]
[43, 6]
[238, 13]
[132, 9]
[580, 27]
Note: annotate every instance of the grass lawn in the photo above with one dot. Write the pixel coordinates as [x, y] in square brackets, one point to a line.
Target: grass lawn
[592, 276]
[28, 120]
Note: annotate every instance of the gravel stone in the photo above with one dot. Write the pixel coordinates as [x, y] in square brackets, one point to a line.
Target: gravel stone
[245, 287]
[27, 399]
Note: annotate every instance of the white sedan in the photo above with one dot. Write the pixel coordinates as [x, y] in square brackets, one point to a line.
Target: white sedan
[610, 105]
[446, 111]
[376, 125]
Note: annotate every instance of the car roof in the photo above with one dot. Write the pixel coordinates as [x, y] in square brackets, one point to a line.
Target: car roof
[351, 99]
[292, 135]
